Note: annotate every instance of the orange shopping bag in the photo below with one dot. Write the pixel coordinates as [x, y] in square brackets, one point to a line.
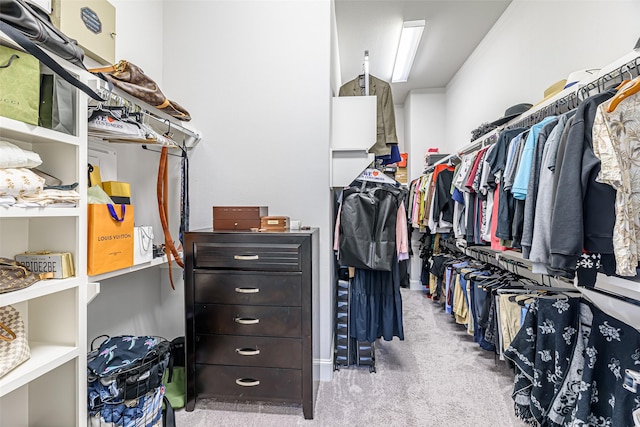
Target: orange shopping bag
[110, 238]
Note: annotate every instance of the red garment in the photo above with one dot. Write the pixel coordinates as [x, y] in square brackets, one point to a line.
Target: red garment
[474, 169]
[439, 168]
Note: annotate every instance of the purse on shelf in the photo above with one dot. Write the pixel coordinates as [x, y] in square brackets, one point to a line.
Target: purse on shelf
[36, 25]
[32, 30]
[15, 276]
[131, 79]
[14, 348]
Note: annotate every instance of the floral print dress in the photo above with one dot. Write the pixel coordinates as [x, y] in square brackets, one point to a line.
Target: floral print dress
[571, 359]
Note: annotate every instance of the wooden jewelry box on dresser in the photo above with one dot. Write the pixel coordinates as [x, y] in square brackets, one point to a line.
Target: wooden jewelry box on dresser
[249, 305]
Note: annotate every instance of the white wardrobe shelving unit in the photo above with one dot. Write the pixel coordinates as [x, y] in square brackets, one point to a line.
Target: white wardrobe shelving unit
[49, 389]
[181, 133]
[353, 132]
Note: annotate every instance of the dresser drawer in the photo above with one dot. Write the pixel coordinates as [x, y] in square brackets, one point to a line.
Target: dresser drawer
[244, 382]
[249, 351]
[248, 320]
[230, 287]
[248, 256]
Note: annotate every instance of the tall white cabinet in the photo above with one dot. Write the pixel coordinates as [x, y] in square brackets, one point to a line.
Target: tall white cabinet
[50, 388]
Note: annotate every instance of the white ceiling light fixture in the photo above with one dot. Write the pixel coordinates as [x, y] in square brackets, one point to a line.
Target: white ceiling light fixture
[407, 48]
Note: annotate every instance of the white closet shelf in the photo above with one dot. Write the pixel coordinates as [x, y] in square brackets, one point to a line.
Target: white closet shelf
[159, 119]
[621, 310]
[358, 149]
[40, 289]
[618, 285]
[123, 271]
[504, 257]
[16, 130]
[45, 357]
[34, 212]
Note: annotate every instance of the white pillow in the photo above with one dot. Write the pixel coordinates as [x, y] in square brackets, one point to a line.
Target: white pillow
[12, 156]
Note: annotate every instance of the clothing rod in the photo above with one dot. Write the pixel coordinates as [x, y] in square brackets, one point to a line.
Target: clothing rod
[477, 253]
[366, 72]
[144, 147]
[481, 142]
[572, 99]
[568, 102]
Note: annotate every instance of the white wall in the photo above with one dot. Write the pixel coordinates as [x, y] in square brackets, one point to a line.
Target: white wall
[400, 127]
[336, 77]
[424, 120]
[534, 44]
[256, 77]
[143, 302]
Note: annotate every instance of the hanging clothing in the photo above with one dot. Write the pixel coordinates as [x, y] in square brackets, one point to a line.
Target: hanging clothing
[376, 305]
[584, 210]
[571, 361]
[367, 227]
[539, 254]
[532, 188]
[521, 178]
[616, 144]
[443, 204]
[385, 116]
[507, 203]
[541, 352]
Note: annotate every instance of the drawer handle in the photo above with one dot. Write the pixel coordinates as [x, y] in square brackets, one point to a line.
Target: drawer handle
[247, 351]
[246, 321]
[246, 257]
[247, 382]
[247, 290]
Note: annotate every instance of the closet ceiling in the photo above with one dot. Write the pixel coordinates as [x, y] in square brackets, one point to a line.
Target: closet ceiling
[454, 29]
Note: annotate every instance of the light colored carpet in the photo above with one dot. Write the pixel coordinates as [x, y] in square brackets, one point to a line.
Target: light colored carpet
[437, 376]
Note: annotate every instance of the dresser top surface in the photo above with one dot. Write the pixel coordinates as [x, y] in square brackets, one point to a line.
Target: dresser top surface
[308, 232]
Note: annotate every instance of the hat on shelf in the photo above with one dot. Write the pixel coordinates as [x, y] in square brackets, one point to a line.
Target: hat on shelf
[553, 90]
[581, 75]
[511, 113]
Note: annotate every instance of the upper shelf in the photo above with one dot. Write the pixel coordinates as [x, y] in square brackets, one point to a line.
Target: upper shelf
[20, 131]
[37, 212]
[158, 120]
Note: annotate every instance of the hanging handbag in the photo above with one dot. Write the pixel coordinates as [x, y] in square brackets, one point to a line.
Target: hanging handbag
[14, 348]
[15, 276]
[131, 79]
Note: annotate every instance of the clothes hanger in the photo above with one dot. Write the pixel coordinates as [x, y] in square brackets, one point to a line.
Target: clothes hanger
[109, 111]
[630, 89]
[624, 81]
[375, 174]
[99, 110]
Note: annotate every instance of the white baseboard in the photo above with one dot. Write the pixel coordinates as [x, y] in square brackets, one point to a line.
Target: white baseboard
[326, 368]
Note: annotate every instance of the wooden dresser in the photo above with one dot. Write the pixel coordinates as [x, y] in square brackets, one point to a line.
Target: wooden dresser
[248, 306]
